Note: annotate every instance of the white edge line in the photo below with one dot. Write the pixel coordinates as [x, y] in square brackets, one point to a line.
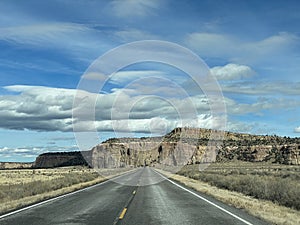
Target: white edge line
[206, 200]
[61, 196]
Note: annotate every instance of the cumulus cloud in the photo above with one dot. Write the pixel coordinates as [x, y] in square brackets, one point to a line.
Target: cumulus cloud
[123, 110]
[51, 109]
[297, 130]
[232, 72]
[37, 108]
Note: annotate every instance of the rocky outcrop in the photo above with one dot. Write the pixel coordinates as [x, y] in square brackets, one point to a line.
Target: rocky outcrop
[254, 153]
[288, 155]
[193, 146]
[140, 153]
[258, 148]
[180, 147]
[59, 159]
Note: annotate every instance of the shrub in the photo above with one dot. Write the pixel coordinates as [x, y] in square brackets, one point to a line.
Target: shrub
[282, 188]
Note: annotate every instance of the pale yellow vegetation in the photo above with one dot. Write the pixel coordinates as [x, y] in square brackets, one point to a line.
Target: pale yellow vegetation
[264, 209]
[19, 188]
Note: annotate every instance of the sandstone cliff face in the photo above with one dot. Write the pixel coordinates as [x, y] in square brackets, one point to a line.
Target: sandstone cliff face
[180, 147]
[191, 146]
[141, 153]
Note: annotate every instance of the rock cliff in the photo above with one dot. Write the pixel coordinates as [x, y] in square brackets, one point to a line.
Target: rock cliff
[179, 147]
[193, 146]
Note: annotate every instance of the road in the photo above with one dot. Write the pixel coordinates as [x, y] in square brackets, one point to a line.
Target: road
[112, 202]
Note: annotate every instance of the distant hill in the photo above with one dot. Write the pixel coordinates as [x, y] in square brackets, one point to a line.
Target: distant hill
[179, 147]
[59, 159]
[15, 165]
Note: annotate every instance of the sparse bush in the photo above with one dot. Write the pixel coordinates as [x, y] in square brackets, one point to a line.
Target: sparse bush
[269, 182]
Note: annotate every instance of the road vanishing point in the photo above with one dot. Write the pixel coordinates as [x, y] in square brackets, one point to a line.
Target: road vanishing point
[112, 202]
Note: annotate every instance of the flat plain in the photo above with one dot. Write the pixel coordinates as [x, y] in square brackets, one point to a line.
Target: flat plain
[21, 187]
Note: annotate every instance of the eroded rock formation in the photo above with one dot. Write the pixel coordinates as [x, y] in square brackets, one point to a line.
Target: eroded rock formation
[179, 147]
[191, 146]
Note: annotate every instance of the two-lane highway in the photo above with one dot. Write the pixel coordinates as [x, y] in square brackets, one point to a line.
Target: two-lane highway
[147, 199]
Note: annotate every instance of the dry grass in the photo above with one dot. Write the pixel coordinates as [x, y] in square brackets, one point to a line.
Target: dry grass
[277, 183]
[19, 188]
[264, 209]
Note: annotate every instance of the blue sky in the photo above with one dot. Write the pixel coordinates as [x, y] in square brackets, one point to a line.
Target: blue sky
[251, 47]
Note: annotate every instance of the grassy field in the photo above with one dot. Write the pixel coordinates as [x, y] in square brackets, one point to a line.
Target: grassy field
[268, 191]
[277, 183]
[21, 187]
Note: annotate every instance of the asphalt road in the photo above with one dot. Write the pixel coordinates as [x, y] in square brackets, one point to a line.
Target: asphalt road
[109, 203]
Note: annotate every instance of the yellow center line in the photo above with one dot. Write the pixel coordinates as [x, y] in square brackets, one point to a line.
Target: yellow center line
[123, 213]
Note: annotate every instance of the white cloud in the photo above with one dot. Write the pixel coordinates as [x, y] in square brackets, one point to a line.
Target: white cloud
[74, 38]
[250, 127]
[123, 77]
[32, 151]
[260, 105]
[232, 72]
[237, 50]
[273, 43]
[262, 88]
[37, 108]
[50, 109]
[41, 34]
[239, 126]
[297, 130]
[78, 41]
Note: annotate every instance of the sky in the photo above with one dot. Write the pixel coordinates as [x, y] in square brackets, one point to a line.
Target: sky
[251, 48]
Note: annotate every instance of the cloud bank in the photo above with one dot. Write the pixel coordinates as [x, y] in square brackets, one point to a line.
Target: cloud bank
[50, 109]
[122, 110]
